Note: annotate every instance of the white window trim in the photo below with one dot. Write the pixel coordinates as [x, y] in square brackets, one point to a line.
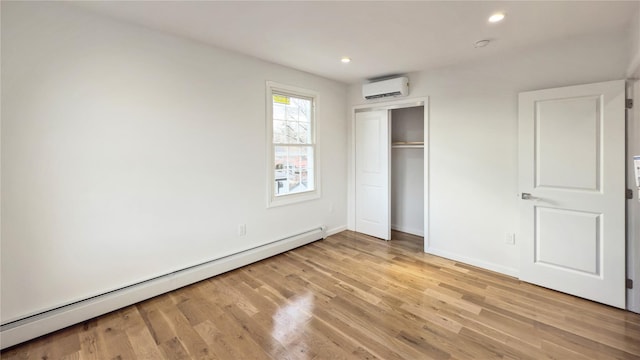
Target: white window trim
[272, 200]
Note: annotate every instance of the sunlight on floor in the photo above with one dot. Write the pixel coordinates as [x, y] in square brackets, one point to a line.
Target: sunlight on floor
[290, 322]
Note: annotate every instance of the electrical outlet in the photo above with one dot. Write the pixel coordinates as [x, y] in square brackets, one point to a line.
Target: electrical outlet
[242, 229]
[510, 238]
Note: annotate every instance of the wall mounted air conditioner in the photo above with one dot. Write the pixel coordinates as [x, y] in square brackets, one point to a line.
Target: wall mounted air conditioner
[391, 87]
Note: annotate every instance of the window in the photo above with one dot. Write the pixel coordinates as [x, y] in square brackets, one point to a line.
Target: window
[292, 144]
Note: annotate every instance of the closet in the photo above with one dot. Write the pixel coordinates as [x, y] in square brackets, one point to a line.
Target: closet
[390, 169]
[407, 170]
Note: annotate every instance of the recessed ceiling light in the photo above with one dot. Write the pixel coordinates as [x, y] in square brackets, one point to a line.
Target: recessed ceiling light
[345, 59]
[481, 43]
[497, 17]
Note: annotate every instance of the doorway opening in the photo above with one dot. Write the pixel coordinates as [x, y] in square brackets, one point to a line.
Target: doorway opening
[390, 171]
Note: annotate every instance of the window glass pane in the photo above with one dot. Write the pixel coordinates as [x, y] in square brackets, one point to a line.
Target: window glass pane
[296, 111]
[278, 111]
[304, 133]
[291, 113]
[293, 169]
[292, 132]
[304, 109]
[279, 132]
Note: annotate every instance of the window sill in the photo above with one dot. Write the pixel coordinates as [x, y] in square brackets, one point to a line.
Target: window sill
[293, 199]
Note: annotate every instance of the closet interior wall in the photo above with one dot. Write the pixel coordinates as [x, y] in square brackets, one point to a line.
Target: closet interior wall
[407, 170]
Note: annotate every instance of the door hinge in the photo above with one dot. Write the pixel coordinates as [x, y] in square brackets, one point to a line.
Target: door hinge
[628, 194]
[629, 104]
[629, 284]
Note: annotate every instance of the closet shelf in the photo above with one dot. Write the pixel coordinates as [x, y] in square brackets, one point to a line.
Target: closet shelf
[407, 145]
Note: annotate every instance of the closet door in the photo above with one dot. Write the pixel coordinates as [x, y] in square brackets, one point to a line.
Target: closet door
[372, 140]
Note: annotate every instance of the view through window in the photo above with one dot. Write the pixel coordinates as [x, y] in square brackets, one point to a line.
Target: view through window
[293, 143]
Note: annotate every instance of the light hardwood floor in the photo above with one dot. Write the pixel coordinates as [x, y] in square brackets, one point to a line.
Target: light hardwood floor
[352, 296]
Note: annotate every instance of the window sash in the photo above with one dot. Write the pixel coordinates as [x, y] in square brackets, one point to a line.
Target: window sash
[284, 121]
[294, 171]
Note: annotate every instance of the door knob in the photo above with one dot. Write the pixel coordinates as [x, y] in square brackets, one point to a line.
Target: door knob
[526, 196]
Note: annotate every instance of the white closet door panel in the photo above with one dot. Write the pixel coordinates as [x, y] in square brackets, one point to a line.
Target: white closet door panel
[372, 174]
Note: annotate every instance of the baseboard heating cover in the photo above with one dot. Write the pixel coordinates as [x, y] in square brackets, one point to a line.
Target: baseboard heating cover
[46, 322]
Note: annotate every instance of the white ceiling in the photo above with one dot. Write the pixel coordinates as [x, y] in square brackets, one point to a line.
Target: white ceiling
[382, 38]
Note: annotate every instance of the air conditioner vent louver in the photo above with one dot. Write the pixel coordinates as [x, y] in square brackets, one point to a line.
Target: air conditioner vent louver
[392, 87]
[395, 93]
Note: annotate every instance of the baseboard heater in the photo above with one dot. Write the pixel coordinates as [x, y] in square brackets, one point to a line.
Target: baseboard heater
[49, 321]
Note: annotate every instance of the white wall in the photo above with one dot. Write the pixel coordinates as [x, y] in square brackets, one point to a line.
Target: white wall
[127, 154]
[473, 139]
[633, 69]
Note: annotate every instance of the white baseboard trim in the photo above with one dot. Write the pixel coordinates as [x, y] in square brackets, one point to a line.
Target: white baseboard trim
[335, 230]
[408, 230]
[475, 262]
[44, 323]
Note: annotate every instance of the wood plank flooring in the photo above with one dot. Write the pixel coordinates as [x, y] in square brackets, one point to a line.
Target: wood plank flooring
[352, 296]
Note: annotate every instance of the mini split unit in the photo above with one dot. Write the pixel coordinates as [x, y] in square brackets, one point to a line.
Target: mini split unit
[391, 87]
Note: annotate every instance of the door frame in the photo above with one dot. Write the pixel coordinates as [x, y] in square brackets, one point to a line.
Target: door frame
[387, 105]
[633, 205]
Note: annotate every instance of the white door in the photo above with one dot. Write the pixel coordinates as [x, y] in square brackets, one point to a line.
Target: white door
[372, 173]
[572, 184]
